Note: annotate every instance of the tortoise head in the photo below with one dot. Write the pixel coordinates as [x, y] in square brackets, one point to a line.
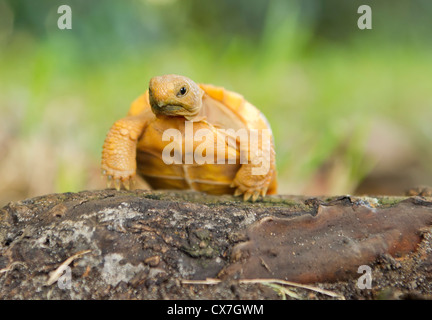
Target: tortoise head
[174, 95]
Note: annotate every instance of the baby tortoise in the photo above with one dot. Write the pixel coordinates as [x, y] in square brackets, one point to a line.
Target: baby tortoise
[138, 141]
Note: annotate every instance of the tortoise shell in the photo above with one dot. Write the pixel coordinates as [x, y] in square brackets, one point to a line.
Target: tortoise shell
[177, 143]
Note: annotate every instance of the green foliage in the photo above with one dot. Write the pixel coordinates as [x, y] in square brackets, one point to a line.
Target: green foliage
[320, 81]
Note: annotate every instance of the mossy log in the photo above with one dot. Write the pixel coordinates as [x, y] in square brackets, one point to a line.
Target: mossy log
[109, 244]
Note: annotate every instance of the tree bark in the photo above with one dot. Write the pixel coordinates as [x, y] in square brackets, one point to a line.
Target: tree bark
[139, 244]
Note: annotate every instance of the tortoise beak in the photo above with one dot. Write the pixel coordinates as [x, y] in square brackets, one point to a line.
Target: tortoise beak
[167, 109]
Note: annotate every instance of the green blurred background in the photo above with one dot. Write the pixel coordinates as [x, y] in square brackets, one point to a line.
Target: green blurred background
[351, 109]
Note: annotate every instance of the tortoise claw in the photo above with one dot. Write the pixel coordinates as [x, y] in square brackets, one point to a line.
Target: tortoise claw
[118, 179]
[255, 195]
[117, 184]
[126, 184]
[252, 194]
[247, 195]
[237, 192]
[109, 181]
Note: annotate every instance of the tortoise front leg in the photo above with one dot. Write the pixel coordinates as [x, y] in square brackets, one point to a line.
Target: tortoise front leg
[258, 175]
[250, 185]
[119, 151]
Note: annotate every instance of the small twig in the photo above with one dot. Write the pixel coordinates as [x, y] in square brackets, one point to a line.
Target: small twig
[265, 265]
[206, 281]
[59, 271]
[269, 281]
[294, 284]
[283, 291]
[11, 266]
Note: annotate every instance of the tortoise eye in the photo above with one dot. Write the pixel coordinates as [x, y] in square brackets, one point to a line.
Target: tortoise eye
[182, 91]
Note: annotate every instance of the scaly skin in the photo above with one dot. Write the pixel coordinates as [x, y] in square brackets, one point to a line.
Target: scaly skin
[178, 96]
[252, 186]
[119, 151]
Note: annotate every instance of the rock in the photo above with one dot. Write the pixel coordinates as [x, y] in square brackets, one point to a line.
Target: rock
[139, 244]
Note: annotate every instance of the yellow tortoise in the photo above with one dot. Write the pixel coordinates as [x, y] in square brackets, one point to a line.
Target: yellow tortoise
[146, 140]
